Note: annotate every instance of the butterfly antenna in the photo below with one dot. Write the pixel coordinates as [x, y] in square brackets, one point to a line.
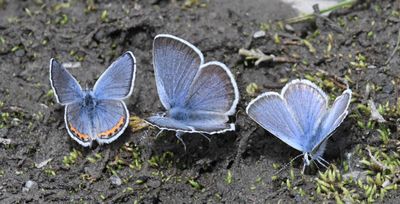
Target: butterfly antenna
[287, 164]
[205, 136]
[179, 136]
[159, 133]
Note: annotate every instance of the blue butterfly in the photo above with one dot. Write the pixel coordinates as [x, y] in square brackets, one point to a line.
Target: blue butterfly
[98, 114]
[198, 97]
[300, 117]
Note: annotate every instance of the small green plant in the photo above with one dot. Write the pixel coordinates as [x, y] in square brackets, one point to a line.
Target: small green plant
[229, 177]
[71, 158]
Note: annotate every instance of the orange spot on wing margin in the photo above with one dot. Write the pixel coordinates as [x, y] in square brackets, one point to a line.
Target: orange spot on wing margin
[113, 130]
[81, 136]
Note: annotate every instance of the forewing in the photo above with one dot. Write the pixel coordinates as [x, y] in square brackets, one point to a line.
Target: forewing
[214, 89]
[176, 63]
[334, 117]
[65, 86]
[270, 111]
[118, 80]
[78, 124]
[308, 104]
[110, 119]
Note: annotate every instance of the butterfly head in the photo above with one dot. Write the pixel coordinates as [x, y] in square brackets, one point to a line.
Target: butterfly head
[308, 158]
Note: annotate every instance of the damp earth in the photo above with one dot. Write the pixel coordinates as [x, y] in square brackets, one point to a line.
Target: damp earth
[259, 41]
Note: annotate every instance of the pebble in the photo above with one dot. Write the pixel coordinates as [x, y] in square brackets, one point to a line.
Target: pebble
[289, 28]
[3, 132]
[259, 34]
[20, 53]
[29, 185]
[115, 180]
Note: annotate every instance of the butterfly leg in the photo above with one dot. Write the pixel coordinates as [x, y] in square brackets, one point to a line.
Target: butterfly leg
[316, 165]
[179, 136]
[304, 168]
[159, 133]
[323, 160]
[320, 162]
[205, 136]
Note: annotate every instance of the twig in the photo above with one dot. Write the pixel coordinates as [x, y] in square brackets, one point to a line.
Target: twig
[375, 160]
[259, 56]
[332, 24]
[312, 16]
[394, 50]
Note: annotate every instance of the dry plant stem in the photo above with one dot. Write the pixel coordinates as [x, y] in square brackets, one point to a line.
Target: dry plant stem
[261, 57]
[308, 17]
[375, 160]
[394, 50]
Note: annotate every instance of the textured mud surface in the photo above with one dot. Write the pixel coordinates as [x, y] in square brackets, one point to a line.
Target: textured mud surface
[40, 163]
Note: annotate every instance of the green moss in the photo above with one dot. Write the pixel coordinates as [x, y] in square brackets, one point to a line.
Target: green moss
[71, 158]
[196, 185]
[229, 177]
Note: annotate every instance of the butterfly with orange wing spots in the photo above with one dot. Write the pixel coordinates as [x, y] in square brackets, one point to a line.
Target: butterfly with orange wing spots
[99, 113]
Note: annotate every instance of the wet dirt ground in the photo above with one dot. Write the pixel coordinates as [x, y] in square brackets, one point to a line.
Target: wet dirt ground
[39, 162]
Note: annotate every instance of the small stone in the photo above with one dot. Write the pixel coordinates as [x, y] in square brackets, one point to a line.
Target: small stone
[360, 175]
[375, 115]
[5, 141]
[259, 34]
[15, 122]
[43, 163]
[289, 28]
[115, 180]
[3, 132]
[154, 183]
[29, 185]
[20, 53]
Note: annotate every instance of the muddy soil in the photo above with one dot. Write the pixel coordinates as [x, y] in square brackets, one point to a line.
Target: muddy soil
[41, 163]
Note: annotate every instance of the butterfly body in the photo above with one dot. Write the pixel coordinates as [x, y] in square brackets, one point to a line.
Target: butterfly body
[97, 114]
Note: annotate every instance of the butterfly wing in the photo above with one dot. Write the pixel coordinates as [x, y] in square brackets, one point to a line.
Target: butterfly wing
[334, 117]
[167, 123]
[271, 112]
[198, 122]
[176, 63]
[110, 119]
[308, 104]
[78, 123]
[118, 80]
[214, 89]
[65, 86]
[212, 97]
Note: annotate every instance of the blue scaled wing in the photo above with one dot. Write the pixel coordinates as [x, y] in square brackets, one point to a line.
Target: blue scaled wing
[166, 123]
[308, 104]
[214, 90]
[176, 63]
[271, 112]
[198, 122]
[334, 116]
[118, 80]
[212, 97]
[78, 123]
[110, 119]
[65, 86]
